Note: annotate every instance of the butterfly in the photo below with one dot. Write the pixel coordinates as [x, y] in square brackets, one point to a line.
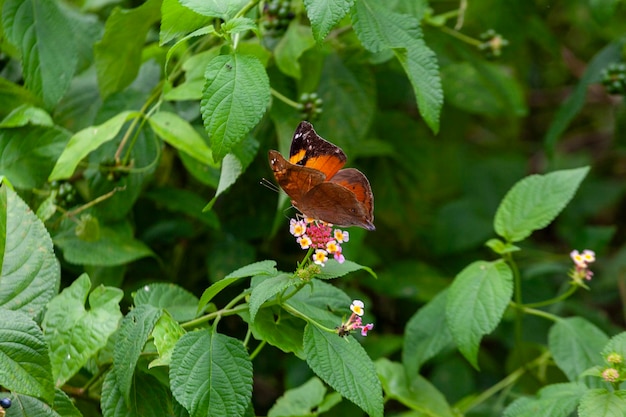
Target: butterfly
[316, 184]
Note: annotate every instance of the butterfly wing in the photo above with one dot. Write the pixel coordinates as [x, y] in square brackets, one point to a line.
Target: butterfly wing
[316, 184]
[335, 204]
[295, 180]
[310, 150]
[355, 181]
[345, 200]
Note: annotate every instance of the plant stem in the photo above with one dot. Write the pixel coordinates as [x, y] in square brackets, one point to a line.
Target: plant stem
[246, 8]
[539, 313]
[509, 380]
[93, 202]
[258, 349]
[517, 295]
[306, 318]
[217, 314]
[571, 290]
[460, 36]
[285, 99]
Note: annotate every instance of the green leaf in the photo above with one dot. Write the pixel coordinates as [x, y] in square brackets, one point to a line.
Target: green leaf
[239, 25]
[535, 201]
[325, 14]
[555, 400]
[279, 329]
[301, 401]
[27, 406]
[29, 272]
[64, 405]
[194, 67]
[501, 247]
[150, 398]
[268, 288]
[48, 207]
[211, 375]
[257, 268]
[420, 65]
[115, 247]
[86, 141]
[13, 96]
[234, 165]
[380, 29]
[575, 345]
[183, 201]
[234, 98]
[322, 302]
[177, 20]
[132, 336]
[74, 333]
[88, 228]
[483, 88]
[290, 48]
[118, 55]
[27, 114]
[476, 302]
[426, 334]
[416, 393]
[602, 403]
[617, 344]
[176, 131]
[45, 39]
[344, 365]
[575, 102]
[334, 269]
[215, 8]
[24, 357]
[347, 89]
[179, 302]
[166, 334]
[603, 10]
[28, 154]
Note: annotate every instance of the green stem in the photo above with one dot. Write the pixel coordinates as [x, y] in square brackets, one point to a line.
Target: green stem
[509, 380]
[246, 340]
[246, 8]
[307, 318]
[460, 36]
[539, 313]
[517, 296]
[571, 290]
[284, 298]
[258, 350]
[285, 99]
[217, 314]
[156, 93]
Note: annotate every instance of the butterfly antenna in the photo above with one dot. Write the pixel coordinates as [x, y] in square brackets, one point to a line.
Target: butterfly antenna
[269, 184]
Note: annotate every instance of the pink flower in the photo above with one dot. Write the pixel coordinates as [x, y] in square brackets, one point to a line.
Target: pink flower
[366, 328]
[355, 322]
[581, 269]
[320, 236]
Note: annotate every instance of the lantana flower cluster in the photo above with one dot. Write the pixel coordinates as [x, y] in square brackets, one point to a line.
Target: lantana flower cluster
[615, 372]
[355, 322]
[581, 269]
[320, 236]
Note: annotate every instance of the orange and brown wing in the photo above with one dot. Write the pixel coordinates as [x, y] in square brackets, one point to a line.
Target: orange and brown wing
[295, 180]
[355, 181]
[336, 204]
[312, 151]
